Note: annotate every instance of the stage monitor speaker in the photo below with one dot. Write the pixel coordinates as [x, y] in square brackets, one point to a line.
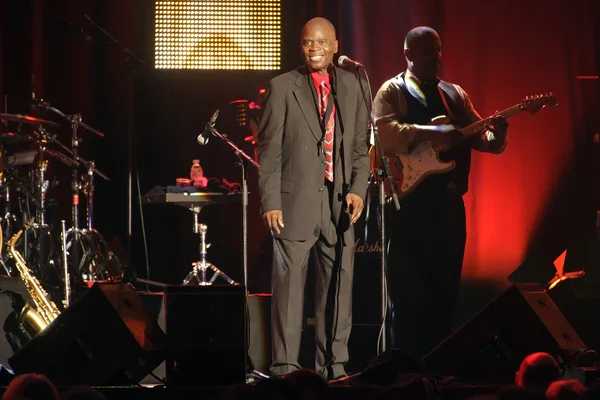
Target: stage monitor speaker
[206, 335]
[106, 337]
[579, 301]
[491, 346]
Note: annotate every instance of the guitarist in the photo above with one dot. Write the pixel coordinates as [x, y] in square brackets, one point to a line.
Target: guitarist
[428, 234]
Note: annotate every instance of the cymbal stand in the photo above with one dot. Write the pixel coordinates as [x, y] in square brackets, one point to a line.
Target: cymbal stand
[76, 233]
[75, 185]
[40, 183]
[198, 273]
[67, 293]
[7, 218]
[89, 191]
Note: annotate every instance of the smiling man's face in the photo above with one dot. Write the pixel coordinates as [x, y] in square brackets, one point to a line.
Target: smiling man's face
[318, 45]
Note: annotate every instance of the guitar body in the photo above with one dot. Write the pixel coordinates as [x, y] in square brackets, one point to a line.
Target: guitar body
[409, 170]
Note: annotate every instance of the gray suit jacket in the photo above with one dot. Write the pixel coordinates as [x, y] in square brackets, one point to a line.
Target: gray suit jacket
[291, 177]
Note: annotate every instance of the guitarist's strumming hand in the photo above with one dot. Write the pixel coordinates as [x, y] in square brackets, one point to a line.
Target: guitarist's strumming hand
[274, 220]
[441, 132]
[445, 137]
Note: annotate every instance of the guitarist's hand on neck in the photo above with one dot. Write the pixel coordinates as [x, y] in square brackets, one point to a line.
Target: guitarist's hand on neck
[499, 127]
[495, 134]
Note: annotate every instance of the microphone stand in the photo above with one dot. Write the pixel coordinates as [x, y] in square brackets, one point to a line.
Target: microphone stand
[245, 160]
[383, 173]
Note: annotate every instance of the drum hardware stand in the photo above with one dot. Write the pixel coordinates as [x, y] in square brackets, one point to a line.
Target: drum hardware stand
[41, 183]
[88, 190]
[198, 273]
[67, 299]
[75, 231]
[7, 226]
[6, 229]
[7, 219]
[75, 188]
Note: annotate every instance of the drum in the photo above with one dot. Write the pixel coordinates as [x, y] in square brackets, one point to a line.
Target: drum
[91, 258]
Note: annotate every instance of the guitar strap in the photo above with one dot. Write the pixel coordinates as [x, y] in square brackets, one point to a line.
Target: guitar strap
[453, 102]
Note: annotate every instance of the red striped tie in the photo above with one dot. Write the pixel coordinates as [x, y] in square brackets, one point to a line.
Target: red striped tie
[329, 130]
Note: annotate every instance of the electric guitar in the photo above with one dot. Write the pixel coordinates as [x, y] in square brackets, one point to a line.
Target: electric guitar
[409, 170]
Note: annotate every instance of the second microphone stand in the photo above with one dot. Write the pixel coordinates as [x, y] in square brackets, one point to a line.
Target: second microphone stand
[245, 160]
[383, 174]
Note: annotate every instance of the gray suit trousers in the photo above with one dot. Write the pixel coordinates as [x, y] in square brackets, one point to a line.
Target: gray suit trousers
[333, 297]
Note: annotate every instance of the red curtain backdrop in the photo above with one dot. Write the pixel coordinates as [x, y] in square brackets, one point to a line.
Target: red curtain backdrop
[499, 52]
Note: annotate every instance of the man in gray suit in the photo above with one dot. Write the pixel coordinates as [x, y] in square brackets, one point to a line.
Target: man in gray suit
[313, 178]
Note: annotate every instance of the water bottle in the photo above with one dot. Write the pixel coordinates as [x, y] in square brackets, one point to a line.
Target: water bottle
[197, 174]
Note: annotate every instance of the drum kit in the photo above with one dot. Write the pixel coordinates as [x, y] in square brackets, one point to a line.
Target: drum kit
[65, 261]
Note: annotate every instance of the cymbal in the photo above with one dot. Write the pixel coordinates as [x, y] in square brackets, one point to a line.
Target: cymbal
[26, 119]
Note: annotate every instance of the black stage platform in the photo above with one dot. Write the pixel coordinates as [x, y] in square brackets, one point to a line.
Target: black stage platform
[337, 392]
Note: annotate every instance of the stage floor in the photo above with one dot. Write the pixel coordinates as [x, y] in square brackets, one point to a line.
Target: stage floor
[160, 392]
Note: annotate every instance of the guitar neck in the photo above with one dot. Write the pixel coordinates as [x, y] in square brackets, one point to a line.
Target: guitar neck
[480, 125]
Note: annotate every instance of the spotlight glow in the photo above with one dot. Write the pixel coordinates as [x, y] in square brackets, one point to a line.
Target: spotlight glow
[217, 34]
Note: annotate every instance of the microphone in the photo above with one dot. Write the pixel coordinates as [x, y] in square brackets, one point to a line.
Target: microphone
[204, 136]
[74, 29]
[345, 61]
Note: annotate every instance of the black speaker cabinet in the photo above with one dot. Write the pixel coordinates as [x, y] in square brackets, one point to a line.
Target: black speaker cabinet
[579, 301]
[106, 337]
[491, 346]
[206, 335]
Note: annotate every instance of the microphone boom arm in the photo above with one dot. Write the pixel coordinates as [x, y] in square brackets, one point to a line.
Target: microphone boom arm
[238, 152]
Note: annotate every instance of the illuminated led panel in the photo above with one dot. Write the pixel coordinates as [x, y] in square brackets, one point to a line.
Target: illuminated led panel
[217, 34]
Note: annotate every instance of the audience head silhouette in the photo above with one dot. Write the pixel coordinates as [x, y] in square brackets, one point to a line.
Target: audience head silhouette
[537, 372]
[311, 384]
[32, 387]
[570, 389]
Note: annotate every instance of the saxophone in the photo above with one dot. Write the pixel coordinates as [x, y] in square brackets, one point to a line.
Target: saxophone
[32, 319]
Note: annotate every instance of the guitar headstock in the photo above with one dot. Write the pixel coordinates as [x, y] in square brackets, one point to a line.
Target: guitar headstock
[535, 103]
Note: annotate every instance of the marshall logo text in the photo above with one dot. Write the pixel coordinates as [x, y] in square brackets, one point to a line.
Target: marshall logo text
[365, 247]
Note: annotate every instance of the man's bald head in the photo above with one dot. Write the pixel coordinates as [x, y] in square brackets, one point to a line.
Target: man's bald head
[537, 372]
[417, 34]
[321, 23]
[318, 44]
[423, 52]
